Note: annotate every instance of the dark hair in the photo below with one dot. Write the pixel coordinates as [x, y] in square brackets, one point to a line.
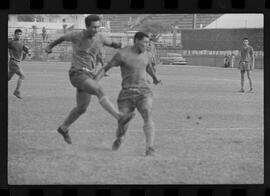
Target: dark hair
[18, 31]
[140, 35]
[91, 18]
[245, 38]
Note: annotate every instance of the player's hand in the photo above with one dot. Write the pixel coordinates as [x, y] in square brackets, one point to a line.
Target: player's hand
[48, 50]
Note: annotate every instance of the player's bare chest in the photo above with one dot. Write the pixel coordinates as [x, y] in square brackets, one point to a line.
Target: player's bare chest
[17, 46]
[136, 61]
[88, 44]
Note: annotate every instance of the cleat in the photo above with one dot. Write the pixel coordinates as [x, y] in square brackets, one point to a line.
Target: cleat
[150, 151]
[65, 135]
[17, 94]
[250, 90]
[122, 121]
[241, 91]
[116, 144]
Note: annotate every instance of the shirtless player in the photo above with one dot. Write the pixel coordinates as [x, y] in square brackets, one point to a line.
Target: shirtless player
[135, 63]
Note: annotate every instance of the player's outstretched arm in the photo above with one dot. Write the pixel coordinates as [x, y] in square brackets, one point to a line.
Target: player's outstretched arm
[67, 37]
[116, 61]
[152, 73]
[50, 46]
[252, 58]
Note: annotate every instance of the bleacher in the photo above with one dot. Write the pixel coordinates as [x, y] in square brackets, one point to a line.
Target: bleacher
[119, 23]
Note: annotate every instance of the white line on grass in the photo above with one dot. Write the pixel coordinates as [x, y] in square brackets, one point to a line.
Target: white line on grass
[159, 130]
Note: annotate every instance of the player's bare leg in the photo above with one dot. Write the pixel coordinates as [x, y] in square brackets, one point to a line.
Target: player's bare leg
[17, 92]
[83, 100]
[250, 82]
[145, 109]
[10, 75]
[120, 136]
[242, 81]
[121, 131]
[92, 87]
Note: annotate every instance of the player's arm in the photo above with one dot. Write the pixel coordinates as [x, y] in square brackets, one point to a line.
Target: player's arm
[150, 70]
[240, 57]
[110, 43]
[66, 37]
[116, 61]
[252, 58]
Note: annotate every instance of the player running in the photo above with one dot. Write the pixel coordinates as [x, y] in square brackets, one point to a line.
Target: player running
[135, 63]
[85, 46]
[17, 52]
[246, 63]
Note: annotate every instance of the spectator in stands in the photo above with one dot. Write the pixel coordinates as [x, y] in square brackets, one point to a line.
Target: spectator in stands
[44, 34]
[34, 32]
[226, 61]
[64, 26]
[232, 60]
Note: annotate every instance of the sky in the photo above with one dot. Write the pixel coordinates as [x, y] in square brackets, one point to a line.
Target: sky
[238, 21]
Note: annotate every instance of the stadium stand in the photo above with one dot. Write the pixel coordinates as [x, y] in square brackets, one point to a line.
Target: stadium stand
[119, 23]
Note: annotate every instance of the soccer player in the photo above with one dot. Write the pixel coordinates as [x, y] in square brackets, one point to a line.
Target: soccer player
[85, 46]
[135, 63]
[44, 34]
[246, 63]
[226, 61]
[17, 51]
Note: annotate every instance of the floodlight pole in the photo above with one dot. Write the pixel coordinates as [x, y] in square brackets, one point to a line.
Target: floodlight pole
[194, 20]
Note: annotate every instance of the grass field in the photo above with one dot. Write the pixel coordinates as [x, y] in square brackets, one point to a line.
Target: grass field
[225, 147]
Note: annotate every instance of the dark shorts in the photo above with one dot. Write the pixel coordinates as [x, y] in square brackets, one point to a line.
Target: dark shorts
[244, 66]
[14, 67]
[78, 76]
[135, 98]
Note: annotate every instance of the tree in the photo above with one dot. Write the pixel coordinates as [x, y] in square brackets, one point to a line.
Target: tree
[29, 18]
[26, 18]
[155, 28]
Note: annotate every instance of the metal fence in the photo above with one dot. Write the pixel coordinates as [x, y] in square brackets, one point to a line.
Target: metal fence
[63, 51]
